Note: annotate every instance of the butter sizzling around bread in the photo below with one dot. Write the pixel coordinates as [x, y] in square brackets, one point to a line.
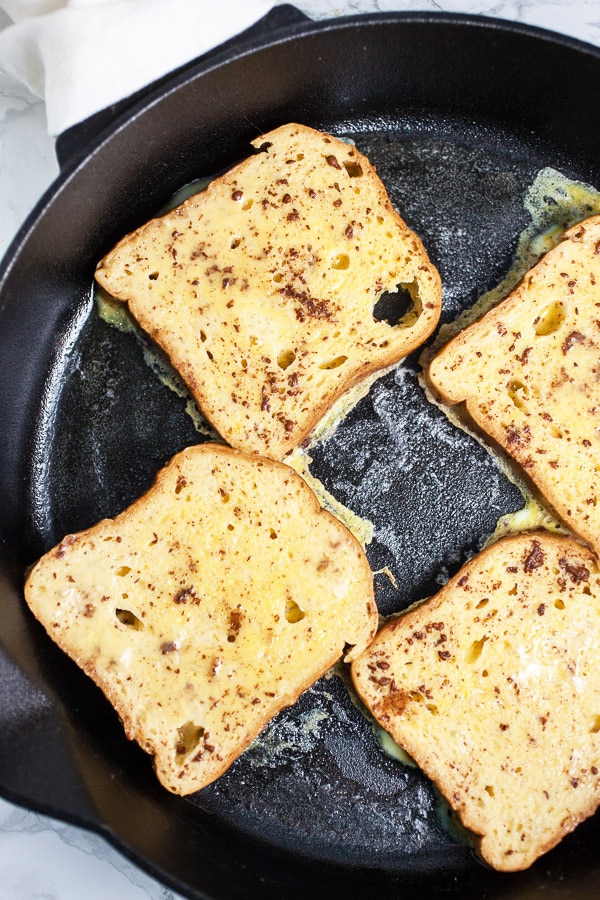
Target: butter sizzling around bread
[207, 606]
[493, 687]
[528, 373]
[261, 289]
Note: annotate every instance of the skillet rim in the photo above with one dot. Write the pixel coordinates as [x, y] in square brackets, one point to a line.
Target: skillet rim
[154, 94]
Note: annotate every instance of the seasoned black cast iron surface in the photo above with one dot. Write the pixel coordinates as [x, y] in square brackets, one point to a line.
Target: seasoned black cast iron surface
[456, 115]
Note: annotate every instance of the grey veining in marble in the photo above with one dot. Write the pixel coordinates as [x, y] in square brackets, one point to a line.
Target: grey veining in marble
[44, 859]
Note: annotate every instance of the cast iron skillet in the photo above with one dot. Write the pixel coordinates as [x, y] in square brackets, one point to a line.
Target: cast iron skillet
[459, 114]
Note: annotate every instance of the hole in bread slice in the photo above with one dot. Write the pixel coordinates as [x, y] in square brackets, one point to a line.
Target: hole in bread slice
[285, 359]
[400, 308]
[550, 319]
[353, 169]
[341, 261]
[188, 739]
[126, 617]
[522, 395]
[475, 650]
[518, 393]
[293, 613]
[334, 363]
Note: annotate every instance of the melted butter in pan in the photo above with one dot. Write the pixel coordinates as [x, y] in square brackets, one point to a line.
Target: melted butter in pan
[532, 517]
[362, 529]
[554, 203]
[385, 741]
[116, 314]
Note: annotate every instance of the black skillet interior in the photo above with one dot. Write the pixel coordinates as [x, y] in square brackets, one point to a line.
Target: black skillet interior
[459, 114]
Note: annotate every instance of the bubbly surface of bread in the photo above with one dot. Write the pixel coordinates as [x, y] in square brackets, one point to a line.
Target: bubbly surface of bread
[493, 688]
[261, 289]
[207, 606]
[528, 373]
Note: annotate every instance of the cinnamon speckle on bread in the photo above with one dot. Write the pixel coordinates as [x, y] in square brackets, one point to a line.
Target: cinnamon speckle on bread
[505, 719]
[205, 608]
[528, 375]
[250, 283]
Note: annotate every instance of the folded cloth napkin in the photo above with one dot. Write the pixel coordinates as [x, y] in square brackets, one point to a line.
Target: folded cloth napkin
[83, 55]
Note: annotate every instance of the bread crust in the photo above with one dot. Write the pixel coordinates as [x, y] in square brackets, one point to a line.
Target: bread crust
[492, 687]
[528, 375]
[261, 289]
[207, 606]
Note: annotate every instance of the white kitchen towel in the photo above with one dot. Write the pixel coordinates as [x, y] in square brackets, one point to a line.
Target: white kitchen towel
[83, 55]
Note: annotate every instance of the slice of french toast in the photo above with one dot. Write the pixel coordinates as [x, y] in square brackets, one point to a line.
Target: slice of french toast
[207, 606]
[261, 289]
[528, 374]
[493, 687]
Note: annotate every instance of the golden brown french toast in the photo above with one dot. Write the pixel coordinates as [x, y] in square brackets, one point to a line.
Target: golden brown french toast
[261, 289]
[493, 687]
[207, 606]
[528, 374]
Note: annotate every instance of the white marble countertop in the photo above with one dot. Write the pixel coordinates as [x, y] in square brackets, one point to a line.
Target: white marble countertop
[43, 859]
